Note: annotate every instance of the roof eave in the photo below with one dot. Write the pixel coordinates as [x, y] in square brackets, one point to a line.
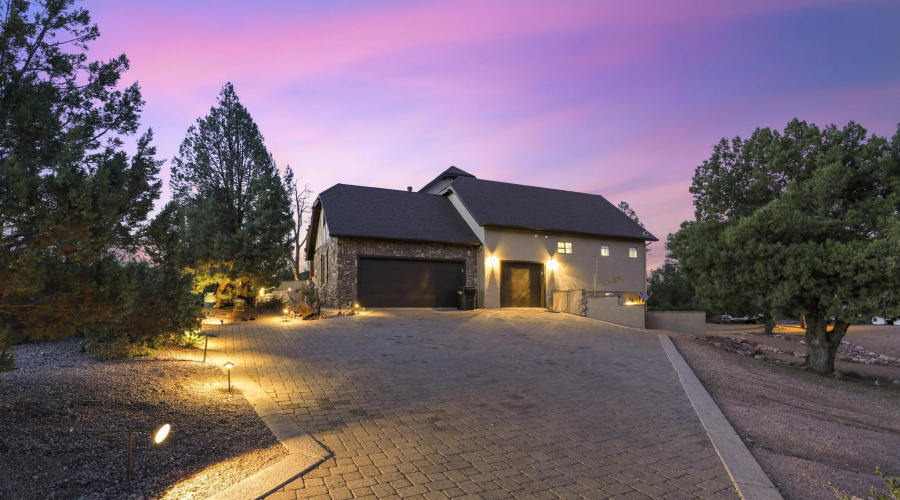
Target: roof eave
[411, 240]
[649, 236]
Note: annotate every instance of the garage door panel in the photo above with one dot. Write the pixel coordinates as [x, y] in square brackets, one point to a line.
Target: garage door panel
[408, 283]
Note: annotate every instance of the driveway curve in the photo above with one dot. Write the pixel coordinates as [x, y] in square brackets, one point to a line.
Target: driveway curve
[489, 404]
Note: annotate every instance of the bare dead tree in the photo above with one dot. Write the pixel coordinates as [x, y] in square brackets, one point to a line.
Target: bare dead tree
[300, 206]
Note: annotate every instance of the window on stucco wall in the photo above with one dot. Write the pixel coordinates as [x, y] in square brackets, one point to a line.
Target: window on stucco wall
[563, 247]
[632, 252]
[604, 251]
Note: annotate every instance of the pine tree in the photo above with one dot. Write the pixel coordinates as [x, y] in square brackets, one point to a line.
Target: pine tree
[237, 211]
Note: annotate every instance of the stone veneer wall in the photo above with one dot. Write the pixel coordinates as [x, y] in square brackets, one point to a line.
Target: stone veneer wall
[339, 289]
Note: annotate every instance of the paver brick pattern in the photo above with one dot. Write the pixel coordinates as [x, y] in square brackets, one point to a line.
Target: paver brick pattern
[481, 404]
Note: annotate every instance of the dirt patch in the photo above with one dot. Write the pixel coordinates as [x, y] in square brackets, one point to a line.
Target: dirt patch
[64, 421]
[866, 351]
[816, 437]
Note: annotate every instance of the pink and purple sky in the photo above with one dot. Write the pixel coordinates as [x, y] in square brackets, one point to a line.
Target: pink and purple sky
[622, 99]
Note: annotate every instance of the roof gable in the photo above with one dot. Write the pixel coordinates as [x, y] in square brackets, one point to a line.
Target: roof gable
[504, 204]
[443, 180]
[367, 212]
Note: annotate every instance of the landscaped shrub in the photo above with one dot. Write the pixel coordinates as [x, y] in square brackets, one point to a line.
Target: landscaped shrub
[312, 294]
[115, 350]
[271, 304]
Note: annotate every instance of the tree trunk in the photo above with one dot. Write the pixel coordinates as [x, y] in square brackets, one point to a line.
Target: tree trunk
[822, 343]
[770, 324]
[296, 271]
[222, 287]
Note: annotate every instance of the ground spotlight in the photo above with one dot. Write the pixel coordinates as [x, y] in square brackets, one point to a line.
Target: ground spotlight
[159, 435]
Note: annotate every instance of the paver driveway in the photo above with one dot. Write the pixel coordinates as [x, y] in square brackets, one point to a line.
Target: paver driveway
[488, 403]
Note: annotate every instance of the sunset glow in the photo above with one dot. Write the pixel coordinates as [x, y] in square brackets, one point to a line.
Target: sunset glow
[622, 99]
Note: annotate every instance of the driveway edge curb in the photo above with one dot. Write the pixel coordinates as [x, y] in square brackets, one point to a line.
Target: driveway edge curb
[305, 452]
[745, 472]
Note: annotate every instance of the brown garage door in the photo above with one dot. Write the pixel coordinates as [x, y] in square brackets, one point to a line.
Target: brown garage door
[409, 283]
[521, 284]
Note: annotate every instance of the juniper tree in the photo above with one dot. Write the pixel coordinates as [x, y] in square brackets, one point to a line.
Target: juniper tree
[804, 221]
[72, 201]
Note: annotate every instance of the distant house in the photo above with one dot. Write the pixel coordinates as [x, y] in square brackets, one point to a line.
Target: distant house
[514, 243]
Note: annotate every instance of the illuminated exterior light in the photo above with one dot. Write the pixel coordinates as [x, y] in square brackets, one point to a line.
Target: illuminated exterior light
[493, 260]
[262, 291]
[552, 264]
[356, 305]
[159, 435]
[162, 433]
[228, 366]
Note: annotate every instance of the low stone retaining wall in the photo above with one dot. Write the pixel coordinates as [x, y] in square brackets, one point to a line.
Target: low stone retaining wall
[693, 322]
[603, 308]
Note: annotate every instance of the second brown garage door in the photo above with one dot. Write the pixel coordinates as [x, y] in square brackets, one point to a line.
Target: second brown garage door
[521, 284]
[408, 283]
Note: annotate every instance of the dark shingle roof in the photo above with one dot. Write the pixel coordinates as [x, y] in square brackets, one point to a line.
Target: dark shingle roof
[527, 207]
[441, 181]
[367, 212]
[456, 172]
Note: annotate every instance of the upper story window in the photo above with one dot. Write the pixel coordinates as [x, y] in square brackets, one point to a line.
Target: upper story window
[563, 247]
[604, 251]
[632, 252]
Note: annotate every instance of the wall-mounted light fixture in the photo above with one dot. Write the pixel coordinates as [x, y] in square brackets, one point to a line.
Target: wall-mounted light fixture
[159, 435]
[493, 261]
[552, 264]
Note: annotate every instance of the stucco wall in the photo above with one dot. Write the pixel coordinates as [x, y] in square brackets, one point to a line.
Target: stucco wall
[608, 309]
[693, 322]
[601, 308]
[339, 290]
[567, 301]
[573, 271]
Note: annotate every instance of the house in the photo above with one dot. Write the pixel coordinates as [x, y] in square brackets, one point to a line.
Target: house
[516, 244]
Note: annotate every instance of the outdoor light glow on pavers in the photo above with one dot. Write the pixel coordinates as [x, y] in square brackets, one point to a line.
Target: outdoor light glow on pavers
[494, 403]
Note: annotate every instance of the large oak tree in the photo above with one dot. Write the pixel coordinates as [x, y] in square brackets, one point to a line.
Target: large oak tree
[801, 222]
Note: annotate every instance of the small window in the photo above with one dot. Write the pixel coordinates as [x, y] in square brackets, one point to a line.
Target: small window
[604, 251]
[632, 252]
[563, 247]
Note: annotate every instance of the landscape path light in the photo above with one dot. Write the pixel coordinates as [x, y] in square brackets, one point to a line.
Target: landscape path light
[228, 366]
[206, 343]
[159, 435]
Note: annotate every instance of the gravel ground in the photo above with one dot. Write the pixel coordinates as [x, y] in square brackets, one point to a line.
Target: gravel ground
[865, 343]
[816, 437]
[64, 421]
